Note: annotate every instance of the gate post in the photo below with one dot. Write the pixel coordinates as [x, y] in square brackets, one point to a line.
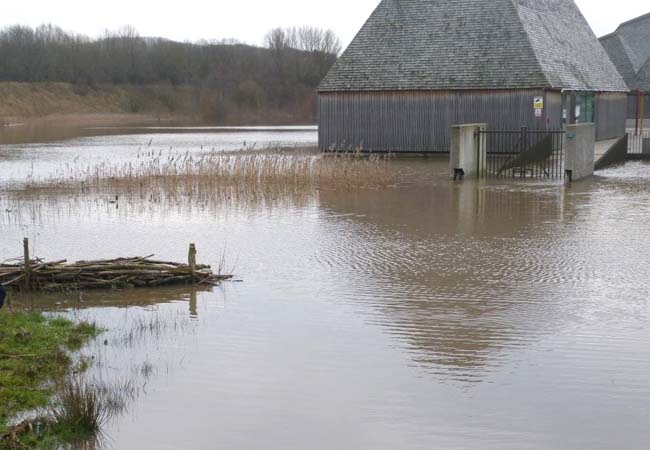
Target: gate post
[467, 151]
[639, 102]
[579, 151]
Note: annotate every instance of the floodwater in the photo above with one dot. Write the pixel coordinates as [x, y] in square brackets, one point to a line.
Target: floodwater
[24, 157]
[492, 315]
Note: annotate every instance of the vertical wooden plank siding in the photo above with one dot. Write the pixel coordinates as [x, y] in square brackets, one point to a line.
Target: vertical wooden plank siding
[553, 109]
[610, 115]
[632, 104]
[419, 121]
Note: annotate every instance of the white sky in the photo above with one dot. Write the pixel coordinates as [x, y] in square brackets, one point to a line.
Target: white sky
[244, 20]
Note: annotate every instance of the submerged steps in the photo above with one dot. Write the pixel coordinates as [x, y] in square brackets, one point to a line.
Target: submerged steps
[610, 152]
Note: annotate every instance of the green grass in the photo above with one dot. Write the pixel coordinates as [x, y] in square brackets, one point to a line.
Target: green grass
[33, 357]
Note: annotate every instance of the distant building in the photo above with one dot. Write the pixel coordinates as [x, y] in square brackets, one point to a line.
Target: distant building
[419, 66]
[629, 49]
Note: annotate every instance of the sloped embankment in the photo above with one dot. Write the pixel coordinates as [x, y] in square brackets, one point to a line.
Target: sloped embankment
[30, 100]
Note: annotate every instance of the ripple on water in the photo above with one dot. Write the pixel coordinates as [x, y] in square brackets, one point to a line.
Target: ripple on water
[487, 316]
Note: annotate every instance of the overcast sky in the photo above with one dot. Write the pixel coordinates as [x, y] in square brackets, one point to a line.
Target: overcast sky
[244, 20]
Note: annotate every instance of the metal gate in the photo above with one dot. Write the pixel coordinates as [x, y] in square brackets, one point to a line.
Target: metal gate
[521, 154]
[638, 144]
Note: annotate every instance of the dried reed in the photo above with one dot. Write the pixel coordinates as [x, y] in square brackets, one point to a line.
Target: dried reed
[244, 172]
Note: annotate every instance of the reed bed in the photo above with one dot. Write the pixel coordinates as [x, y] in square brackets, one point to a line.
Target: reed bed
[246, 172]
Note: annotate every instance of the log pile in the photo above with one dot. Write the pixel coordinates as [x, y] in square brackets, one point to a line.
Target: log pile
[58, 276]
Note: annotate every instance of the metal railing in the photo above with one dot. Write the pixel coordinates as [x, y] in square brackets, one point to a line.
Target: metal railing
[523, 153]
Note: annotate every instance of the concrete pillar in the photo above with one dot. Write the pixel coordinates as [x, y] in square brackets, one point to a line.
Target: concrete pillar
[465, 155]
[579, 151]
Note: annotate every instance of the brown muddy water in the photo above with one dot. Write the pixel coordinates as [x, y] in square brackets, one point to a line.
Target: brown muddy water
[491, 315]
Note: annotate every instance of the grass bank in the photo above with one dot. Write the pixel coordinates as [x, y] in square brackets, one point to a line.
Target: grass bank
[34, 359]
[68, 104]
[28, 100]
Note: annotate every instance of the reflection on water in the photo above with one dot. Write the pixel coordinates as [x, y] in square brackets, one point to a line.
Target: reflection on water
[433, 315]
[467, 267]
[94, 146]
[96, 299]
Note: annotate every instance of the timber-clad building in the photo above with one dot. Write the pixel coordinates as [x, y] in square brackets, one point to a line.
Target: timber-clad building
[629, 49]
[419, 66]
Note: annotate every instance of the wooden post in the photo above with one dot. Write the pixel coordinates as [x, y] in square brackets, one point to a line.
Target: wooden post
[28, 264]
[191, 260]
[638, 108]
[642, 114]
[193, 311]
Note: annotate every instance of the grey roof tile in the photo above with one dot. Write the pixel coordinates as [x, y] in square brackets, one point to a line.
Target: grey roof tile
[642, 80]
[629, 49]
[619, 54]
[474, 44]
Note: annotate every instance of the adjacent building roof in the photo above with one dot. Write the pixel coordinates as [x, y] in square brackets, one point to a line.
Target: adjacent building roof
[629, 48]
[474, 44]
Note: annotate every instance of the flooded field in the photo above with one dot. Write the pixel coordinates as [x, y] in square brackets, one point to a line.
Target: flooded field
[70, 149]
[489, 315]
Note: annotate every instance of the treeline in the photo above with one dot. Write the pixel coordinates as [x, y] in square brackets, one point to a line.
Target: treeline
[224, 74]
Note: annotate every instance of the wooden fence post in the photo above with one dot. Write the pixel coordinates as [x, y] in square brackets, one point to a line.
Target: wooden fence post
[28, 264]
[191, 260]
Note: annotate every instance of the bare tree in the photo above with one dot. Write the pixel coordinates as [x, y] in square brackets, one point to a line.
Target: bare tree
[331, 44]
[281, 39]
[317, 40]
[283, 74]
[306, 38]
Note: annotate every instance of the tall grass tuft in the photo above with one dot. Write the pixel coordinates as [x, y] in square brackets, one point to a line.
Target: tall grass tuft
[85, 406]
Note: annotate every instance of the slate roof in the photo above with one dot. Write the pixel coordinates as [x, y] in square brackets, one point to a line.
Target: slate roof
[474, 44]
[629, 48]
